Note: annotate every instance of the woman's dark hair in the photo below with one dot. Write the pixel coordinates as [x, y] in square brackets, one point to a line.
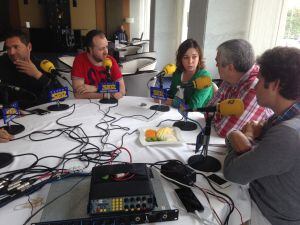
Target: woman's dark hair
[90, 35]
[189, 43]
[282, 64]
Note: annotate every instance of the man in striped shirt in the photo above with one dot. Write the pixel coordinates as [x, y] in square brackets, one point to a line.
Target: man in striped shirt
[235, 61]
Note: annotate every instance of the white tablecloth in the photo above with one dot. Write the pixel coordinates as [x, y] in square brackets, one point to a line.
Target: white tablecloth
[89, 115]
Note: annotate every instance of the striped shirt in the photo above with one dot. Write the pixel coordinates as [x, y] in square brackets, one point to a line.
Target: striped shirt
[291, 112]
[244, 90]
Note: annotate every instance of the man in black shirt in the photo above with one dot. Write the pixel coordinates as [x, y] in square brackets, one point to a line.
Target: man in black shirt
[18, 68]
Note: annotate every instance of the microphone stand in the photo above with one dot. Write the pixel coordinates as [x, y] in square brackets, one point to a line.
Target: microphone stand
[15, 128]
[160, 107]
[108, 100]
[7, 158]
[204, 162]
[58, 106]
[185, 125]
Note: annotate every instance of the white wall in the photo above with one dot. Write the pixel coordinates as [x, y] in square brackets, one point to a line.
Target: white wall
[210, 25]
[226, 19]
[165, 36]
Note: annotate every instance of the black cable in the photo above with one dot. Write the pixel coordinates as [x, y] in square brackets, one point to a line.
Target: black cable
[57, 197]
[231, 204]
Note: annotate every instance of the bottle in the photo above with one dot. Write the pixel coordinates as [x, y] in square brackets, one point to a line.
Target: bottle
[117, 42]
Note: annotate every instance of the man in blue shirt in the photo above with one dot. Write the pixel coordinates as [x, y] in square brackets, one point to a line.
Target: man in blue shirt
[121, 35]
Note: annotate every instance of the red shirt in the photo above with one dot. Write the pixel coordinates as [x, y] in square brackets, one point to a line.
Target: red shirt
[244, 90]
[93, 75]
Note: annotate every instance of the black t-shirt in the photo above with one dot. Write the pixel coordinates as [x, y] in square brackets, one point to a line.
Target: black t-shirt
[32, 91]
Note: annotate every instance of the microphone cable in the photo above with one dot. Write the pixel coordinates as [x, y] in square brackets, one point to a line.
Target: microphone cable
[224, 197]
[93, 154]
[16, 89]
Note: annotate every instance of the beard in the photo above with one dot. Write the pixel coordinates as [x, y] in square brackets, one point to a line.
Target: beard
[97, 59]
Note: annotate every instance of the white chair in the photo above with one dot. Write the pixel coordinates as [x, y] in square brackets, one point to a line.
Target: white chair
[144, 45]
[67, 60]
[137, 74]
[139, 55]
[139, 64]
[129, 50]
[137, 84]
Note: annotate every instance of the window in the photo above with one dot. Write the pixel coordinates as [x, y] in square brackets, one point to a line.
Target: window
[290, 25]
[274, 23]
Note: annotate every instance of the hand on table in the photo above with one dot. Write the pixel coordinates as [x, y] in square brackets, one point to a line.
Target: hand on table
[5, 136]
[85, 88]
[169, 101]
[117, 95]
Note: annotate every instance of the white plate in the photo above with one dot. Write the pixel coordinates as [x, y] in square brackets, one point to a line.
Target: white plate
[146, 143]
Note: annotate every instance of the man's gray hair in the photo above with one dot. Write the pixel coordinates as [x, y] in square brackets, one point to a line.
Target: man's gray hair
[238, 52]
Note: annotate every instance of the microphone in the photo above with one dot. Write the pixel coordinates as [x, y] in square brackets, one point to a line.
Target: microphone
[107, 63]
[227, 107]
[199, 83]
[169, 69]
[49, 67]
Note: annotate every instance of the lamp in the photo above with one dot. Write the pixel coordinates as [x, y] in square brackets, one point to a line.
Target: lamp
[129, 20]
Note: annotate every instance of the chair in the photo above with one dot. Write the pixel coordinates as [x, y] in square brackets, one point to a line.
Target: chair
[65, 63]
[138, 39]
[137, 65]
[216, 83]
[137, 74]
[67, 60]
[143, 43]
[139, 55]
[137, 84]
[129, 50]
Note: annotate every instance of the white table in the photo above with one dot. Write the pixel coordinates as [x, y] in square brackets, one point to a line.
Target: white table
[89, 115]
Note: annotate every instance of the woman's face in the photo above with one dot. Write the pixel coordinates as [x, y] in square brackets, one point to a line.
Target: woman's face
[190, 60]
